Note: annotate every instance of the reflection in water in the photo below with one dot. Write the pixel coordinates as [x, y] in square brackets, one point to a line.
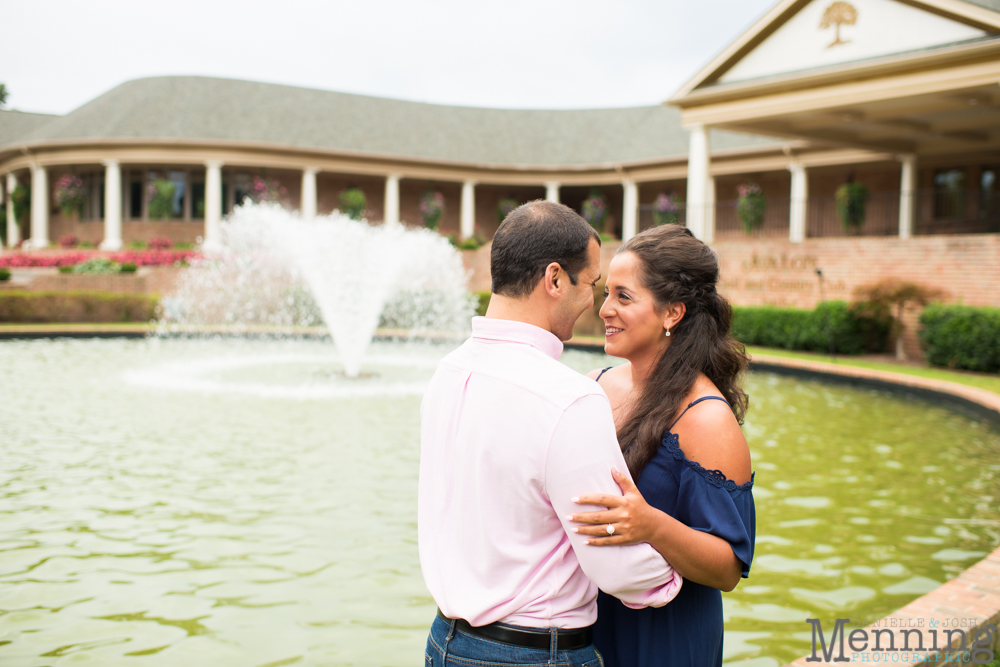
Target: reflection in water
[173, 502]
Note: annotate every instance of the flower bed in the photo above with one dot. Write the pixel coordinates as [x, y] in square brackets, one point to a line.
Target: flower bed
[137, 257]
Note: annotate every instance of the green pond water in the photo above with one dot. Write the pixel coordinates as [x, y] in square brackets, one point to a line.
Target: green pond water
[169, 502]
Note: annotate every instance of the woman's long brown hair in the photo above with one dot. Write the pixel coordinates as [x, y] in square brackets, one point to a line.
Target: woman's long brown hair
[678, 268]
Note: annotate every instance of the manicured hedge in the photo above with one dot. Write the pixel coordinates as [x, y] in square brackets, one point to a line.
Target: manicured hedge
[75, 306]
[962, 337]
[811, 330]
[484, 302]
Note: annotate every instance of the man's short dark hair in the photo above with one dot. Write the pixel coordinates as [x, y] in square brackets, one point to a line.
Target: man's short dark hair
[533, 236]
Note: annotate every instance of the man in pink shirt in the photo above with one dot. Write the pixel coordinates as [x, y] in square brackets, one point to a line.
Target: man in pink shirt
[509, 436]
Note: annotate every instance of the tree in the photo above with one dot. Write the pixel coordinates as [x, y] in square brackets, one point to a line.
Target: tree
[3, 95]
[838, 14]
[882, 297]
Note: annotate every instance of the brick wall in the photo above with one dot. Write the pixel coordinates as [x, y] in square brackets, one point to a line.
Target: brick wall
[776, 272]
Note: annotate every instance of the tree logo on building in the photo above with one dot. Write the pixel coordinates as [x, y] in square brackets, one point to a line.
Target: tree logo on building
[836, 15]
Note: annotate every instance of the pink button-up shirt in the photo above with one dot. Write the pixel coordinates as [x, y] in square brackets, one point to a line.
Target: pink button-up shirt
[508, 437]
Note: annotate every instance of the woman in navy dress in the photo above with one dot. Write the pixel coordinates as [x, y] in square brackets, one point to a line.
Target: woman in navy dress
[678, 405]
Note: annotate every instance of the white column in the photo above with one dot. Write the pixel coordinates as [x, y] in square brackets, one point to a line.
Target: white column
[308, 206]
[112, 206]
[390, 213]
[709, 233]
[39, 207]
[13, 231]
[552, 191]
[699, 169]
[468, 209]
[630, 209]
[907, 196]
[213, 206]
[798, 203]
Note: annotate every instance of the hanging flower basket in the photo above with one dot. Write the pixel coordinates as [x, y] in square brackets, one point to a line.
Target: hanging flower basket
[851, 198]
[70, 193]
[504, 208]
[20, 196]
[595, 209]
[666, 209]
[431, 208]
[261, 190]
[750, 206]
[353, 203]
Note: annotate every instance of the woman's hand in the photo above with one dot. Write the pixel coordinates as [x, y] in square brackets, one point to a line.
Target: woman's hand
[631, 517]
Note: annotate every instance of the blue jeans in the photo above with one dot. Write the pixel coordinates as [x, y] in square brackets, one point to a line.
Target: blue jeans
[447, 645]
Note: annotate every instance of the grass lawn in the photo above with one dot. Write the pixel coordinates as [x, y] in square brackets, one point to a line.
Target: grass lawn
[978, 380]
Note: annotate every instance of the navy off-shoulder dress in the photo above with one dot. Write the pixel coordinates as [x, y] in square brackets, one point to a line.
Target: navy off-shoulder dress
[687, 632]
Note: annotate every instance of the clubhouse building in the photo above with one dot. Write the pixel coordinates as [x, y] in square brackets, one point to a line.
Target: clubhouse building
[901, 96]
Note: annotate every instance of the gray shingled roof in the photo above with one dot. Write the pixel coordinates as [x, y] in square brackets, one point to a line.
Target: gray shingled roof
[200, 108]
[15, 125]
[986, 4]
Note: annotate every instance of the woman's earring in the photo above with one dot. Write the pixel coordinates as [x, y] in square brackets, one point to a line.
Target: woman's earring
[668, 332]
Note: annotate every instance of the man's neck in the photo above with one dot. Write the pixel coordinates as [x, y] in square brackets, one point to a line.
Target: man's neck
[518, 310]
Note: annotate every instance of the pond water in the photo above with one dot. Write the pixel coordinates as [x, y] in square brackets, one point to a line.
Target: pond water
[169, 502]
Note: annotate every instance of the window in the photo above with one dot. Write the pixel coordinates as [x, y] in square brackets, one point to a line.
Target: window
[198, 200]
[136, 196]
[989, 193]
[93, 199]
[179, 181]
[949, 193]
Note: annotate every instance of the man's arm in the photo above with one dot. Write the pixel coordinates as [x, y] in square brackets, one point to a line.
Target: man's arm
[581, 454]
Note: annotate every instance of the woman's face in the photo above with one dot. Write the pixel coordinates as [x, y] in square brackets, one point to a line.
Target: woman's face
[633, 327]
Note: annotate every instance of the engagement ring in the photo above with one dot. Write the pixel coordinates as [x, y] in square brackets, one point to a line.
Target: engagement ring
[611, 529]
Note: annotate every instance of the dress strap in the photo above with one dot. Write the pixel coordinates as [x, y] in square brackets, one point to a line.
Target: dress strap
[598, 378]
[694, 403]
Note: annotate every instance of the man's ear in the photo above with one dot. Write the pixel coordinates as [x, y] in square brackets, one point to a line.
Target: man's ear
[554, 279]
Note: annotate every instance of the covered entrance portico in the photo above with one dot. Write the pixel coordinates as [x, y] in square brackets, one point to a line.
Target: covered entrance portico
[909, 88]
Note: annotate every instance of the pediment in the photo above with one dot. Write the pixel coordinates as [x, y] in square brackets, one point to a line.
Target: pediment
[797, 36]
[826, 32]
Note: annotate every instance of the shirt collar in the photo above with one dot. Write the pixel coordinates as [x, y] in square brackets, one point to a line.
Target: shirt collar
[512, 331]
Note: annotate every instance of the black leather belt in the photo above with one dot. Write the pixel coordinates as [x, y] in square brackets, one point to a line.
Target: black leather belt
[568, 640]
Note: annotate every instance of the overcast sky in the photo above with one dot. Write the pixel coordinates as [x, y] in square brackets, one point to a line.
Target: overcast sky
[58, 54]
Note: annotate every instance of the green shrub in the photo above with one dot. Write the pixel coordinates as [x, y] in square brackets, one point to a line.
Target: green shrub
[962, 337]
[75, 306]
[474, 242]
[66, 269]
[851, 198]
[98, 265]
[161, 199]
[484, 302]
[810, 330]
[128, 268]
[751, 206]
[4, 275]
[353, 203]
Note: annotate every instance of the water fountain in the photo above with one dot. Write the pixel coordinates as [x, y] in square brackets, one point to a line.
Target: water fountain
[277, 273]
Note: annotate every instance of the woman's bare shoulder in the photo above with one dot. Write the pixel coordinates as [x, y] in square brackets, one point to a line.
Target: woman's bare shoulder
[710, 435]
[612, 372]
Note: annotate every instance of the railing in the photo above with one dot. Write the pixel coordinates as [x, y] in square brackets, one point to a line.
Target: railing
[936, 212]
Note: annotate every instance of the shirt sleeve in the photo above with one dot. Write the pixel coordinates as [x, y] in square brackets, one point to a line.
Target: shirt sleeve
[582, 451]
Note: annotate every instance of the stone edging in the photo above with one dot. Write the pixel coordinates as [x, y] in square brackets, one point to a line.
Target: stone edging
[973, 597]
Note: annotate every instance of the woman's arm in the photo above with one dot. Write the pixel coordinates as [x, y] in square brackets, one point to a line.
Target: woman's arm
[697, 555]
